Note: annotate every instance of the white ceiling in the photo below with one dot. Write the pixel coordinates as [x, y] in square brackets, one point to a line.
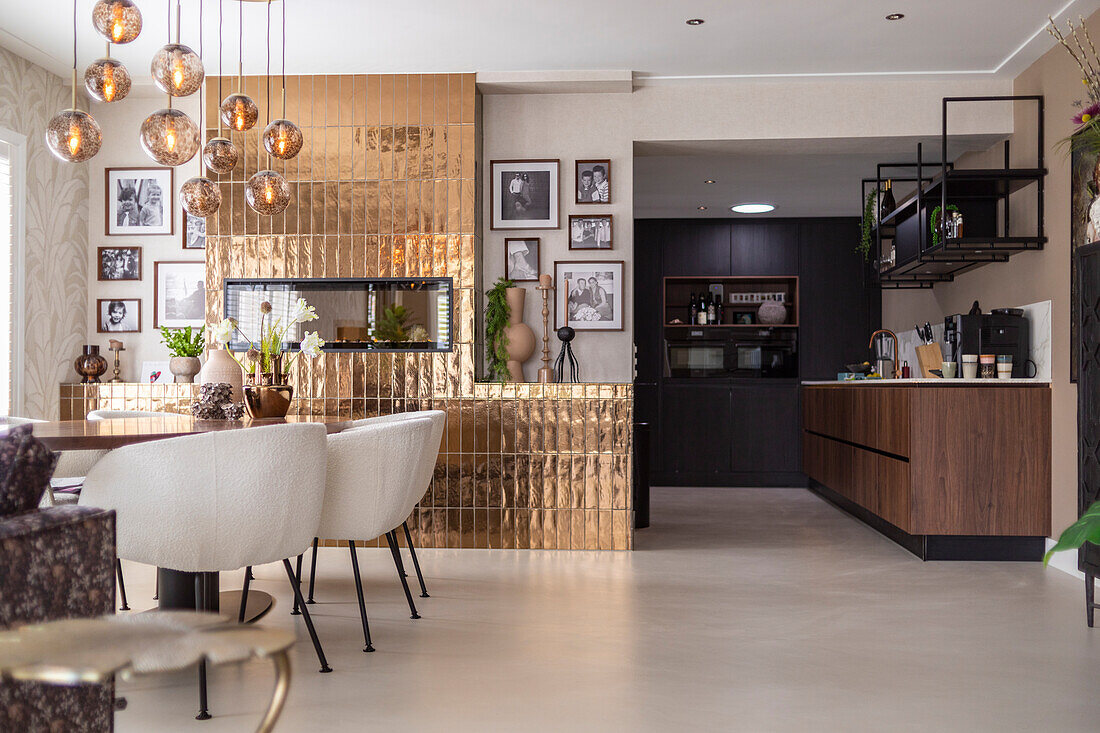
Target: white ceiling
[649, 37]
[801, 178]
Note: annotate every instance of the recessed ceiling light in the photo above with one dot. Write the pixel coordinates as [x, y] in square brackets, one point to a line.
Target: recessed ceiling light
[695, 21]
[752, 208]
[709, 181]
[701, 208]
[895, 16]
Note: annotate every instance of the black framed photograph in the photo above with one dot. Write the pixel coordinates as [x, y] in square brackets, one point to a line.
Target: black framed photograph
[524, 194]
[194, 231]
[122, 315]
[593, 181]
[119, 263]
[590, 232]
[179, 294]
[589, 295]
[521, 259]
[138, 201]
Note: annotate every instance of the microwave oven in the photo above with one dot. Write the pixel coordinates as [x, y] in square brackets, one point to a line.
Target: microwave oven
[761, 354]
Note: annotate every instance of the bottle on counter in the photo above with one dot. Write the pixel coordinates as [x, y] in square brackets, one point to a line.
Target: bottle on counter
[712, 312]
[694, 309]
[718, 307]
[701, 318]
[887, 204]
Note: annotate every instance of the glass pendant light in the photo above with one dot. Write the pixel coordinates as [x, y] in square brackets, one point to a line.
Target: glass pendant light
[176, 69]
[119, 21]
[282, 138]
[199, 195]
[238, 111]
[219, 154]
[170, 137]
[267, 192]
[73, 136]
[106, 79]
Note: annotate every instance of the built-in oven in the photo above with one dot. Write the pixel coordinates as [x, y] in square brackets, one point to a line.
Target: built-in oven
[718, 353]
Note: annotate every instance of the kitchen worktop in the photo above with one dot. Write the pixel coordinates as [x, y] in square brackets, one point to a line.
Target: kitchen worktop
[935, 382]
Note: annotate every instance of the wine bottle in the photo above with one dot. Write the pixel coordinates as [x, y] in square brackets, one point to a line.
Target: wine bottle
[694, 309]
[887, 205]
[702, 318]
[719, 309]
[712, 312]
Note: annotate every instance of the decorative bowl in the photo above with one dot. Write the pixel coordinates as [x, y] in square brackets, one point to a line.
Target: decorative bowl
[771, 313]
[268, 400]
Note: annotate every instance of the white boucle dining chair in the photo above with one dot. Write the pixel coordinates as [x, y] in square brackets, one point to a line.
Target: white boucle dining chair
[417, 486]
[217, 501]
[122, 414]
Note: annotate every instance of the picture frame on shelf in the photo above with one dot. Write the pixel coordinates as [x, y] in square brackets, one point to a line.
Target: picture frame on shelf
[118, 315]
[589, 295]
[118, 264]
[523, 194]
[521, 259]
[179, 294]
[590, 231]
[593, 181]
[138, 201]
[194, 231]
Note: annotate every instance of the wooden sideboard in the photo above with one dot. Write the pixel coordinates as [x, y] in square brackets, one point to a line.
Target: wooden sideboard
[950, 472]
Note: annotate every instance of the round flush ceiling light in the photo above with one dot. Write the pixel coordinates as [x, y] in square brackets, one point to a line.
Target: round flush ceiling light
[701, 208]
[709, 181]
[695, 21]
[895, 16]
[752, 208]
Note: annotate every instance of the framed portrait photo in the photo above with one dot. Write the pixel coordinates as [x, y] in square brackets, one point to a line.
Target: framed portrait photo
[589, 295]
[138, 201]
[194, 231]
[118, 316]
[521, 259]
[524, 194]
[590, 232]
[119, 263]
[593, 181]
[179, 294]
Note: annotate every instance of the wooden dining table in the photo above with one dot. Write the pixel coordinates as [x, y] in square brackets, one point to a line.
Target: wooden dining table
[176, 588]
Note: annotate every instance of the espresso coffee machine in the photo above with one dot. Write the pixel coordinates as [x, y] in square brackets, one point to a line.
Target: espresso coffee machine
[1004, 331]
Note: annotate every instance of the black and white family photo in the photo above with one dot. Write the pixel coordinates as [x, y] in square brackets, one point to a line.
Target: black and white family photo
[521, 259]
[119, 316]
[524, 194]
[194, 232]
[593, 181]
[589, 295]
[120, 263]
[179, 294]
[139, 201]
[590, 232]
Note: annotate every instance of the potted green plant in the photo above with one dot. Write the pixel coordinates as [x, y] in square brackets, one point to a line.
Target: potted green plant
[1085, 529]
[185, 345]
[497, 313]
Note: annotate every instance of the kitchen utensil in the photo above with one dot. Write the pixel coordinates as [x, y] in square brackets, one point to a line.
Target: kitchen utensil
[936, 373]
[863, 368]
[929, 356]
[928, 335]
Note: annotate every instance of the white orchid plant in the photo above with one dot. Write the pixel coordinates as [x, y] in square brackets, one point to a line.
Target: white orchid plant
[264, 360]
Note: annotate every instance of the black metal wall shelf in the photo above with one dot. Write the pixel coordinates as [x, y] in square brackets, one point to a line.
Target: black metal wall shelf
[982, 195]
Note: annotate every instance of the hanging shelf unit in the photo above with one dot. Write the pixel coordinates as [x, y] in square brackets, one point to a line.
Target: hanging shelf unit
[983, 197]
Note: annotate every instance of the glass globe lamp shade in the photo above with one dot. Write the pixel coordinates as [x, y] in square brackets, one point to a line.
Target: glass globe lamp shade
[268, 193]
[107, 80]
[283, 139]
[200, 196]
[239, 112]
[170, 137]
[119, 21]
[219, 155]
[177, 70]
[73, 136]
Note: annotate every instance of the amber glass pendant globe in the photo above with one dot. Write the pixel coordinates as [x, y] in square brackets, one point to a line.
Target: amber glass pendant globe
[239, 112]
[119, 21]
[177, 70]
[200, 196]
[170, 137]
[268, 193]
[283, 139]
[219, 155]
[73, 136]
[107, 80]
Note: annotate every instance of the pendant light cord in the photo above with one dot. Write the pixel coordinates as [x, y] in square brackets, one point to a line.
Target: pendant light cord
[170, 38]
[221, 4]
[74, 55]
[283, 115]
[240, 48]
[202, 106]
[269, 61]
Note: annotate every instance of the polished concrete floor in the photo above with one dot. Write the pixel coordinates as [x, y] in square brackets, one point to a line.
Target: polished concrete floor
[740, 610]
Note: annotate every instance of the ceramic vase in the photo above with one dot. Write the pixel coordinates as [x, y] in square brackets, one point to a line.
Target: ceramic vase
[184, 368]
[222, 367]
[90, 365]
[771, 313]
[521, 339]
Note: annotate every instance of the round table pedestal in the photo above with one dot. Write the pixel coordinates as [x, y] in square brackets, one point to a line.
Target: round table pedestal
[177, 590]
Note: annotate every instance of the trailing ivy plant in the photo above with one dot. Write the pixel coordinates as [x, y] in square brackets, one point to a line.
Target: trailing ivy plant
[181, 341]
[867, 224]
[935, 223]
[496, 320]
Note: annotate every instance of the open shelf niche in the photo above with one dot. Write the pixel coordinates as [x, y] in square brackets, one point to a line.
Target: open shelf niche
[676, 299]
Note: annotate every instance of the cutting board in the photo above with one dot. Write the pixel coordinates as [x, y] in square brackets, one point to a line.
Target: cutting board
[930, 357]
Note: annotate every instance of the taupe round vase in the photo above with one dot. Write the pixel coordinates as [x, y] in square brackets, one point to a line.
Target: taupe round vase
[222, 367]
[521, 339]
[184, 368]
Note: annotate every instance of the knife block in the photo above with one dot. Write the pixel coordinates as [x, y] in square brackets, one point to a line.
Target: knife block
[929, 357]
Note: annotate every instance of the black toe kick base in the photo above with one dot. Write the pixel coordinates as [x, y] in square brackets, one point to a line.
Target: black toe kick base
[942, 547]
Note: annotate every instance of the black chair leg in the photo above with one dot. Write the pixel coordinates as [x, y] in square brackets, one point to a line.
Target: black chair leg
[359, 594]
[156, 588]
[200, 605]
[297, 585]
[244, 594]
[391, 538]
[121, 584]
[312, 571]
[1090, 596]
[305, 615]
[416, 563]
[249, 573]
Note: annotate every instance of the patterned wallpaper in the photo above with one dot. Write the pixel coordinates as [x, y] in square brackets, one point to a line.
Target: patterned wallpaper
[57, 235]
